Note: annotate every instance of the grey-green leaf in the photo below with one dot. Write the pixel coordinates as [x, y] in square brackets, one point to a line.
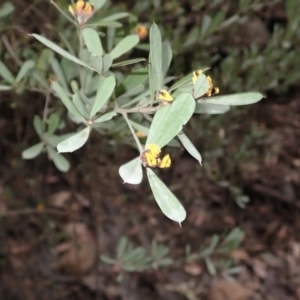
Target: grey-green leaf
[125, 45]
[165, 199]
[236, 99]
[74, 142]
[92, 41]
[60, 161]
[201, 86]
[132, 171]
[106, 117]
[169, 120]
[59, 50]
[156, 55]
[26, 67]
[104, 92]
[210, 108]
[66, 101]
[189, 146]
[39, 126]
[33, 151]
[6, 74]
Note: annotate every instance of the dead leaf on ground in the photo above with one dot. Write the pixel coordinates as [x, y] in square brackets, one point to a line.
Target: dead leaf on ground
[60, 199]
[77, 255]
[193, 269]
[227, 290]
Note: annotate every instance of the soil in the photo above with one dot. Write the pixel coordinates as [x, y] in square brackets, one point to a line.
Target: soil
[55, 226]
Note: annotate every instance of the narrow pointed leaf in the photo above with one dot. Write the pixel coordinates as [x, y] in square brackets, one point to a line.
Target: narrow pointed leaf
[66, 101]
[107, 62]
[74, 142]
[53, 123]
[59, 50]
[106, 117]
[236, 99]
[189, 146]
[209, 108]
[168, 203]
[201, 86]
[104, 92]
[112, 24]
[125, 45]
[97, 64]
[39, 126]
[6, 74]
[5, 87]
[156, 55]
[56, 67]
[61, 163]
[97, 3]
[169, 120]
[116, 16]
[33, 151]
[92, 41]
[166, 57]
[80, 105]
[128, 62]
[26, 67]
[132, 171]
[143, 129]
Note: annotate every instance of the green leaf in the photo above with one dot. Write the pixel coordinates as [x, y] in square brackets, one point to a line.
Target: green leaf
[116, 16]
[104, 92]
[189, 146]
[206, 21]
[55, 65]
[139, 127]
[169, 120]
[168, 203]
[97, 64]
[128, 62]
[122, 246]
[209, 108]
[97, 3]
[92, 41]
[61, 163]
[6, 9]
[125, 45]
[66, 101]
[132, 171]
[166, 57]
[80, 105]
[135, 78]
[26, 67]
[106, 117]
[33, 151]
[53, 123]
[156, 55]
[100, 23]
[59, 50]
[39, 126]
[201, 86]
[74, 142]
[236, 99]
[6, 74]
[107, 62]
[5, 87]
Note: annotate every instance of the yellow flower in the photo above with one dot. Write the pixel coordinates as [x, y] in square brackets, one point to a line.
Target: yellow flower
[141, 31]
[82, 11]
[164, 97]
[165, 162]
[196, 75]
[151, 157]
[212, 90]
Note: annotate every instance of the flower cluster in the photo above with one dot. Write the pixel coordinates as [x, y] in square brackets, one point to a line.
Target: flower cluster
[151, 157]
[212, 90]
[82, 11]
